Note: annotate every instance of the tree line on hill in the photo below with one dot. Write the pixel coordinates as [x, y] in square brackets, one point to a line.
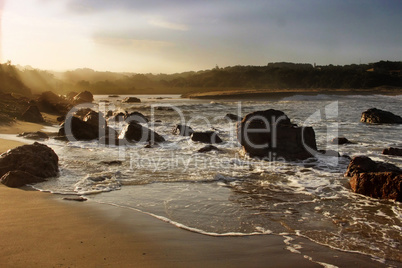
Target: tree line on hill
[280, 75]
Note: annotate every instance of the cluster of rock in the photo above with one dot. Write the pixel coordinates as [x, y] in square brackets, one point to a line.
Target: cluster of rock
[377, 116]
[28, 164]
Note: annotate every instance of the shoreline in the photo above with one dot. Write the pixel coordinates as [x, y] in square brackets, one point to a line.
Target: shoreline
[49, 231]
[278, 94]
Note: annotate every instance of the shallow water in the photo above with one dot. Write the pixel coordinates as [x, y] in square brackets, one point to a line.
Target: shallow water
[226, 193]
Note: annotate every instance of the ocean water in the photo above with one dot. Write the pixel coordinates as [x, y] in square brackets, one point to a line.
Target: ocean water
[227, 193]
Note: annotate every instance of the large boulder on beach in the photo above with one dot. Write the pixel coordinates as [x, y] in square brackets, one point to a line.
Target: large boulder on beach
[83, 97]
[206, 137]
[37, 159]
[131, 100]
[271, 134]
[182, 130]
[377, 116]
[32, 114]
[392, 151]
[79, 130]
[135, 132]
[375, 179]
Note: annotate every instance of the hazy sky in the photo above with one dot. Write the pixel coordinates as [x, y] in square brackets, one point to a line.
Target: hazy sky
[182, 35]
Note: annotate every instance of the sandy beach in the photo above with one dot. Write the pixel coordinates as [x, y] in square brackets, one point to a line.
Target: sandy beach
[42, 230]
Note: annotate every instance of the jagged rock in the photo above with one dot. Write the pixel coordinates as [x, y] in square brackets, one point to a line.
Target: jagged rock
[375, 179]
[18, 178]
[384, 185]
[392, 151]
[233, 117]
[377, 116]
[131, 100]
[95, 119]
[208, 148]
[271, 134]
[83, 97]
[341, 141]
[206, 137]
[80, 130]
[134, 132]
[364, 164]
[32, 114]
[34, 135]
[119, 117]
[182, 130]
[37, 159]
[70, 96]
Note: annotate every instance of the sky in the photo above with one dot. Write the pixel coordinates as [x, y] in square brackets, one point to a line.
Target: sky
[155, 36]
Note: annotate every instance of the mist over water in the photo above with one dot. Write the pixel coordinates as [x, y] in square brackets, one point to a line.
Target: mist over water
[227, 193]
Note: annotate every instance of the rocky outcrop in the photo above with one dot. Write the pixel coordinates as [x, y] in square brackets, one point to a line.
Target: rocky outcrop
[182, 130]
[28, 164]
[80, 130]
[233, 117]
[95, 119]
[34, 135]
[83, 97]
[341, 141]
[51, 103]
[32, 114]
[375, 179]
[134, 132]
[392, 151]
[377, 116]
[131, 100]
[271, 134]
[206, 137]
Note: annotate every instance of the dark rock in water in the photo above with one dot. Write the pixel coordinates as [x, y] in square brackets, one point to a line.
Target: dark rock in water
[164, 108]
[271, 134]
[384, 185]
[341, 141]
[80, 130]
[375, 179]
[95, 119]
[392, 151]
[134, 132]
[112, 163]
[18, 178]
[77, 199]
[136, 117]
[233, 117]
[32, 114]
[182, 130]
[364, 164]
[329, 153]
[119, 117]
[83, 97]
[109, 114]
[34, 135]
[208, 148]
[131, 100]
[81, 113]
[206, 137]
[377, 116]
[36, 159]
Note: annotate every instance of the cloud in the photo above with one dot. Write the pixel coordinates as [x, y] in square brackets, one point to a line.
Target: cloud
[168, 25]
[131, 43]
